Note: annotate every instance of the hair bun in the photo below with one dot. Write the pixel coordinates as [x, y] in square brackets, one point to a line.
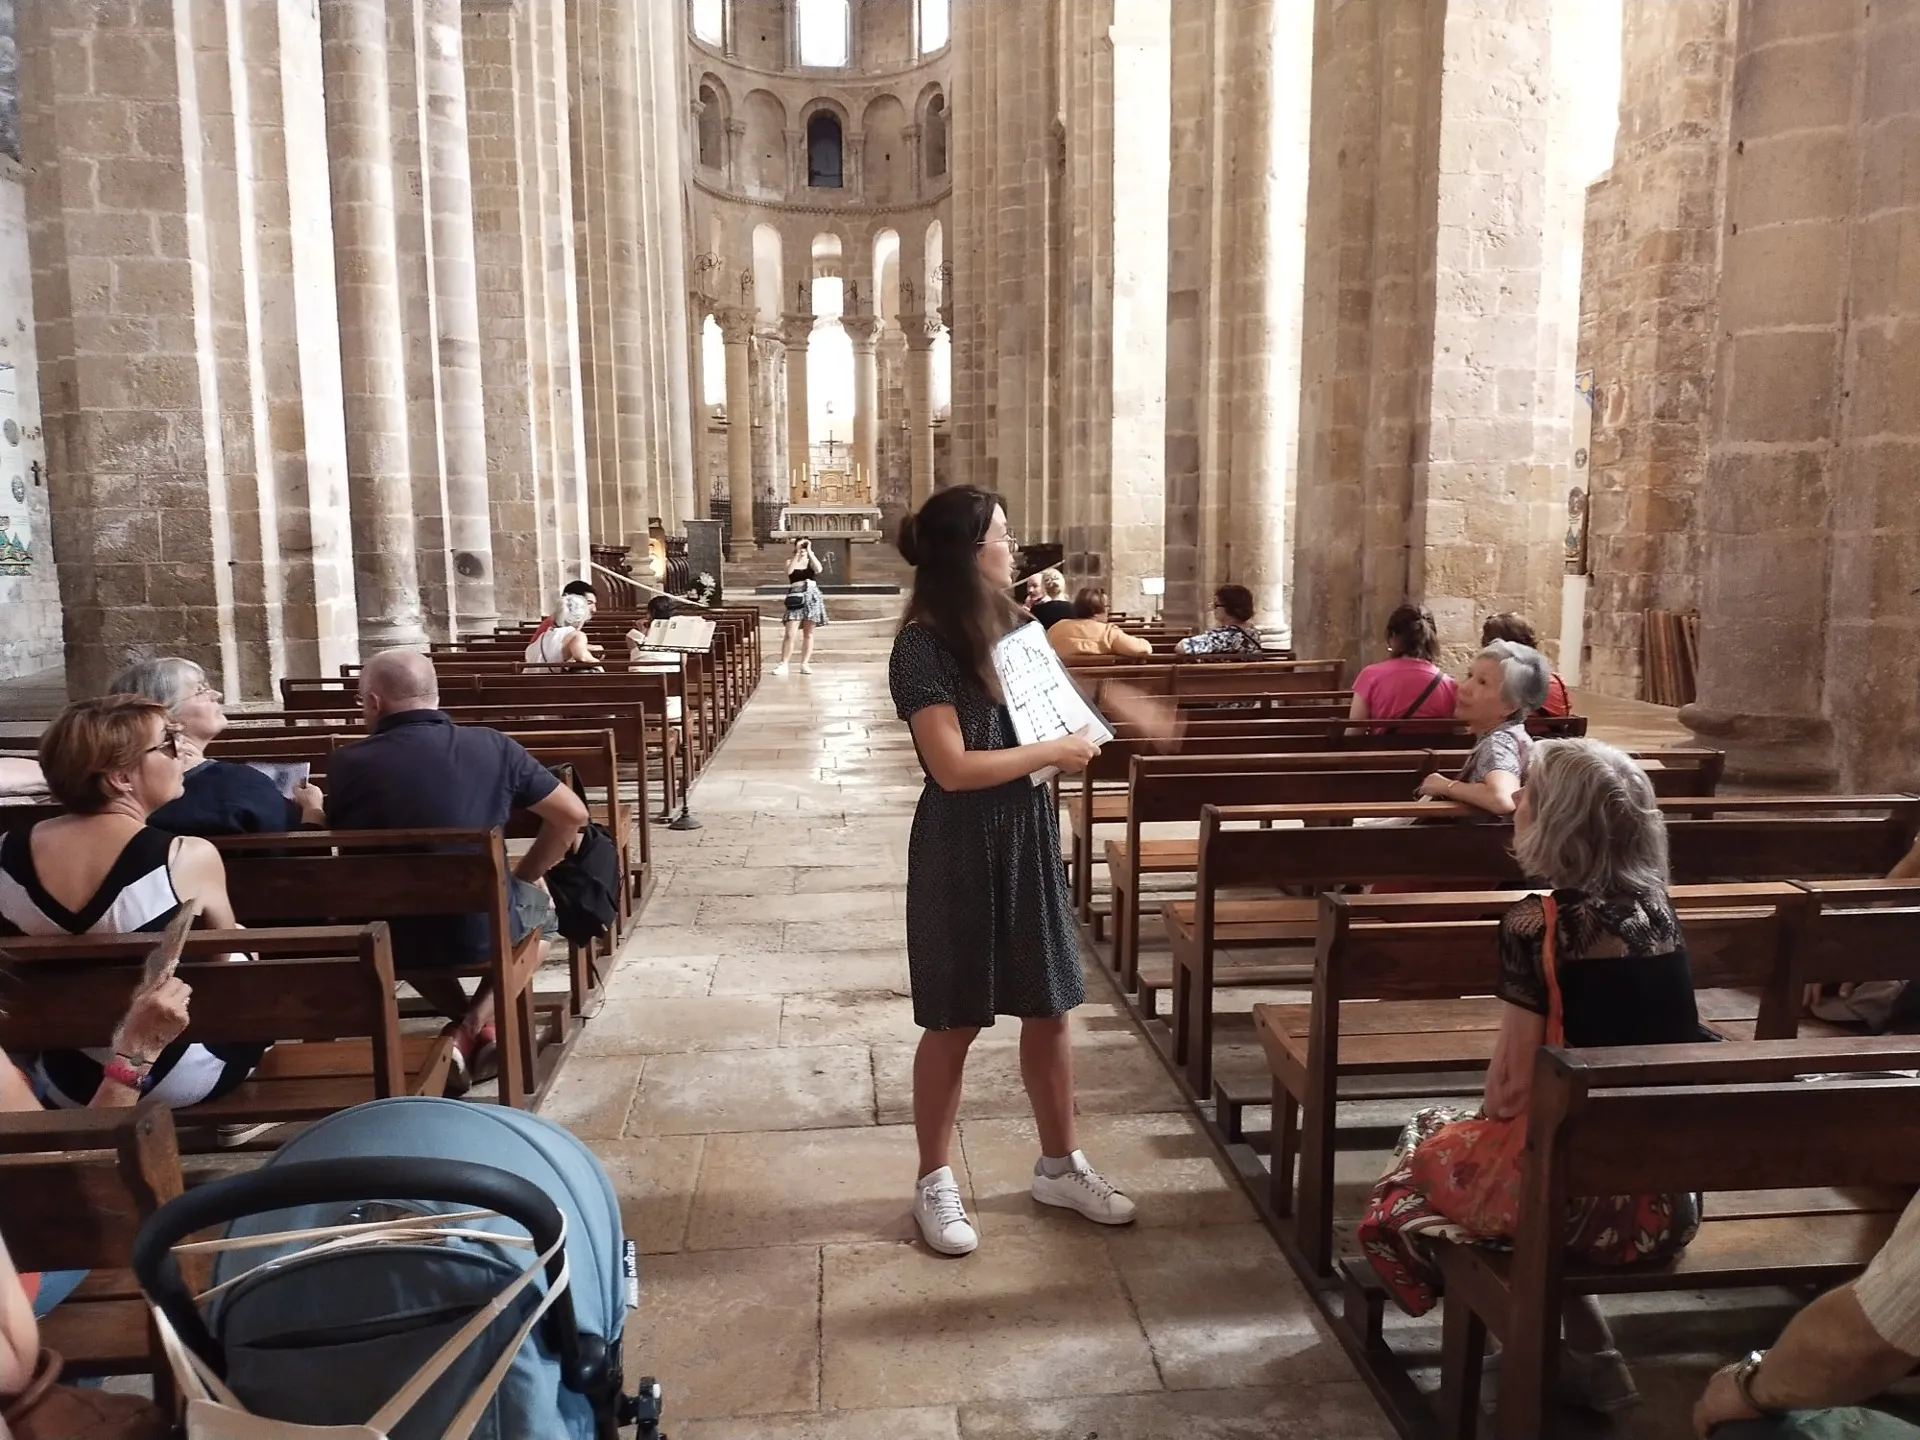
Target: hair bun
[907, 540]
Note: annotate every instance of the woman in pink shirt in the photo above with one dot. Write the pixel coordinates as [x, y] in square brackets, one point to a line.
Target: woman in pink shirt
[1408, 684]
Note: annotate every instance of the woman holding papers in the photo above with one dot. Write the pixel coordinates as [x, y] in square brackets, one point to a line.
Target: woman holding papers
[989, 920]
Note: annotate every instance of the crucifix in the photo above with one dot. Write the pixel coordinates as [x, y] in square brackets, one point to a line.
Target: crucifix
[832, 447]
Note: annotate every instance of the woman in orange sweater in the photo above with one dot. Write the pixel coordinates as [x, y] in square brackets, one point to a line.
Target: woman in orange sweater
[1088, 634]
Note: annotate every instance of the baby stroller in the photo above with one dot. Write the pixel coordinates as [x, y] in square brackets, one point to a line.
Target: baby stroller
[420, 1269]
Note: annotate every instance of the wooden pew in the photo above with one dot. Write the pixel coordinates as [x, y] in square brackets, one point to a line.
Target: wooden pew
[75, 1186]
[1709, 839]
[1402, 986]
[322, 995]
[1669, 1118]
[365, 875]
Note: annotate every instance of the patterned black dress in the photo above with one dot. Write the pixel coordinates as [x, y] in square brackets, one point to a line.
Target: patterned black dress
[989, 920]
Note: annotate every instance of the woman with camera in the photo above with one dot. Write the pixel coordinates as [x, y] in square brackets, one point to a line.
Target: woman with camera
[805, 607]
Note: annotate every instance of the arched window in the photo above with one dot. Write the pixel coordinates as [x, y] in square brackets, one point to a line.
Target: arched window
[823, 151]
[826, 33]
[936, 23]
[713, 363]
[711, 124]
[710, 21]
[935, 132]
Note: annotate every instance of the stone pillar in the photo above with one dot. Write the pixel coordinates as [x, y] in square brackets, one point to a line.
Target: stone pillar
[1650, 312]
[360, 164]
[583, 91]
[921, 332]
[1810, 624]
[463, 436]
[551, 148]
[667, 22]
[797, 331]
[1429, 355]
[863, 330]
[626, 259]
[736, 330]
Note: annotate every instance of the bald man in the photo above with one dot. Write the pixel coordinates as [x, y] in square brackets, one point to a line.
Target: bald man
[419, 770]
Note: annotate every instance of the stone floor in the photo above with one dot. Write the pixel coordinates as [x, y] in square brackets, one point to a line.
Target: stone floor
[748, 1086]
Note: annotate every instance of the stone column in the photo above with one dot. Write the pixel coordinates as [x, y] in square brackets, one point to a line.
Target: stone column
[667, 48]
[626, 257]
[796, 330]
[863, 330]
[736, 330]
[360, 164]
[463, 435]
[921, 331]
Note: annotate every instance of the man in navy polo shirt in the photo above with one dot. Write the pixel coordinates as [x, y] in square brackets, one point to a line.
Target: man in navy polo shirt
[419, 770]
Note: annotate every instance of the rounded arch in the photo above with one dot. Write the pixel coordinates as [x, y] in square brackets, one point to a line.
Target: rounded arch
[764, 165]
[714, 108]
[886, 274]
[826, 150]
[887, 164]
[935, 131]
[769, 273]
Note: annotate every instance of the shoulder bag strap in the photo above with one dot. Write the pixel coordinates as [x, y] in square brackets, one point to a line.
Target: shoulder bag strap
[1414, 708]
[1550, 970]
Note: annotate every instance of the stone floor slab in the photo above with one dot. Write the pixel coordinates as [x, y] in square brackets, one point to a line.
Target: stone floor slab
[658, 1025]
[1027, 1316]
[654, 1180]
[849, 1018]
[808, 1187]
[929, 1424]
[817, 1088]
[591, 1096]
[1308, 1412]
[799, 972]
[1107, 1080]
[730, 1333]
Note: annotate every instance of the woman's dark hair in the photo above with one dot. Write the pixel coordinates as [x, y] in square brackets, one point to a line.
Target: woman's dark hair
[1236, 600]
[1508, 626]
[665, 607]
[577, 587]
[942, 540]
[1088, 602]
[1411, 632]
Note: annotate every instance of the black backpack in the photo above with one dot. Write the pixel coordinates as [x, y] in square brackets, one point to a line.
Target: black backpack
[585, 882]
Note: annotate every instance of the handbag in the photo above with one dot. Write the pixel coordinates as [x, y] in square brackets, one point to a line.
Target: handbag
[48, 1410]
[1471, 1170]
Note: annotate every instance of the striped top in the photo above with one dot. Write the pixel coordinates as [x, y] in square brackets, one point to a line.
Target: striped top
[137, 893]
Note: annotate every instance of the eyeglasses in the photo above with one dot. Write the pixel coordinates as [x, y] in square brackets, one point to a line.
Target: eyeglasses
[1006, 540]
[169, 745]
[206, 687]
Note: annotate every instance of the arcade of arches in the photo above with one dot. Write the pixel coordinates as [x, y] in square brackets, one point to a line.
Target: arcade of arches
[357, 322]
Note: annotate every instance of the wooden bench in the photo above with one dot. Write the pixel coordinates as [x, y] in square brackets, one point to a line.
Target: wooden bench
[365, 875]
[323, 996]
[75, 1186]
[1709, 839]
[1859, 930]
[1671, 1118]
[1402, 987]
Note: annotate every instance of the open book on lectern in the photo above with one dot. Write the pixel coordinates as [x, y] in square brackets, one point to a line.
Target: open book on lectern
[1040, 696]
[680, 632]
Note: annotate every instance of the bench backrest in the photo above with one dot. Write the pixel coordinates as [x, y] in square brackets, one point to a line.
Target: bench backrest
[1155, 795]
[1860, 930]
[76, 1185]
[67, 992]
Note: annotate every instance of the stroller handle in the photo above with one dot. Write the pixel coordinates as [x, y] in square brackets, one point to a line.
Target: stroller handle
[383, 1177]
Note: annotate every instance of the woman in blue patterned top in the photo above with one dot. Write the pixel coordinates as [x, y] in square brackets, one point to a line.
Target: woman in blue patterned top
[1232, 632]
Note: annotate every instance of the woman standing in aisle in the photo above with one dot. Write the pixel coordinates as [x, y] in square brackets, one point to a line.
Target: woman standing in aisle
[989, 921]
[804, 606]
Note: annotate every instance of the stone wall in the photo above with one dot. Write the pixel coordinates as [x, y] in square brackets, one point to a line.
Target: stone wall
[29, 592]
[1650, 302]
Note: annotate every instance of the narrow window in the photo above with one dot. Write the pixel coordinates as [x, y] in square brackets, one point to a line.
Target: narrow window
[936, 136]
[823, 151]
[936, 20]
[711, 122]
[826, 34]
[710, 21]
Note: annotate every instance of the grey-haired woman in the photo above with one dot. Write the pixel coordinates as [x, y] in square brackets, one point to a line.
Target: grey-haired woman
[1505, 683]
[220, 797]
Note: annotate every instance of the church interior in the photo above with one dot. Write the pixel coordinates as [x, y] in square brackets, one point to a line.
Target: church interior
[333, 328]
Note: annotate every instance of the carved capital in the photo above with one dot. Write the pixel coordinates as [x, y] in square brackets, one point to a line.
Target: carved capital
[736, 323]
[796, 330]
[861, 329]
[736, 128]
[921, 330]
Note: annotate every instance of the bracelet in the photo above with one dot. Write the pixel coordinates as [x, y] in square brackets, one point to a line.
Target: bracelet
[1744, 1372]
[120, 1073]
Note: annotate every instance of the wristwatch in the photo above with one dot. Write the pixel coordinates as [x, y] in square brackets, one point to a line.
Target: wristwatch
[1744, 1371]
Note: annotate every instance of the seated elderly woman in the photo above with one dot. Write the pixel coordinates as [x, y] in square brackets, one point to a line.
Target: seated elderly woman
[1504, 685]
[1232, 632]
[1600, 960]
[217, 797]
[1089, 634]
[104, 869]
[563, 645]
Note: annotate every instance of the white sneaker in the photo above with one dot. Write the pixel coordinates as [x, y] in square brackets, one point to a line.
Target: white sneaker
[806, 667]
[942, 1216]
[780, 668]
[1083, 1188]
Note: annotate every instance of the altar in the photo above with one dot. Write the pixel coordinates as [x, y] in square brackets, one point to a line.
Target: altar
[831, 503]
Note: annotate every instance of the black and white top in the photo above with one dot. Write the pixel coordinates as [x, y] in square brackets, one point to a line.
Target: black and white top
[137, 895]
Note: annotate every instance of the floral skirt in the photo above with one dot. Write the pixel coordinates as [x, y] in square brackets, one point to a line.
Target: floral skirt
[1400, 1224]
